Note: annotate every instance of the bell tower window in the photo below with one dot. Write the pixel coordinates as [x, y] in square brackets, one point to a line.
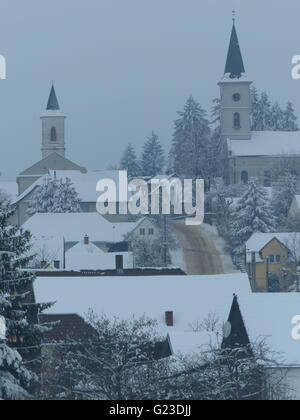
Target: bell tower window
[53, 134]
[237, 120]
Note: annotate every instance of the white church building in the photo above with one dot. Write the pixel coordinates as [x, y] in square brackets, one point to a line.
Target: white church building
[249, 154]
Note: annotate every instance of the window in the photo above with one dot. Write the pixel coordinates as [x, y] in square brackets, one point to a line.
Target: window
[244, 177]
[57, 265]
[237, 120]
[151, 232]
[275, 259]
[53, 134]
[142, 232]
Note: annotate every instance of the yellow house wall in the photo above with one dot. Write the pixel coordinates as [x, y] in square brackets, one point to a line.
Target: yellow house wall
[274, 248]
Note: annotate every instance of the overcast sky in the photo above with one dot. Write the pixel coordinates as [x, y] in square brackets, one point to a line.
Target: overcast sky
[122, 68]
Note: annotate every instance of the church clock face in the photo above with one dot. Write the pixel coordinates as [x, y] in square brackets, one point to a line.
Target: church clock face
[236, 97]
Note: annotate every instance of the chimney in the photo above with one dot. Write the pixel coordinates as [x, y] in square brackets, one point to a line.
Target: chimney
[86, 240]
[170, 319]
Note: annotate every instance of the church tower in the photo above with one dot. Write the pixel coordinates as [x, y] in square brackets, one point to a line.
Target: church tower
[53, 128]
[235, 94]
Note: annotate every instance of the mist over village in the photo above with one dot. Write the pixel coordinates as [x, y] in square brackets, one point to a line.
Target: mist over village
[150, 209]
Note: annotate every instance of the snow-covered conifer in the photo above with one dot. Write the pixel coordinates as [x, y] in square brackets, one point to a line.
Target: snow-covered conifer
[17, 306]
[153, 159]
[190, 141]
[54, 196]
[130, 162]
[252, 214]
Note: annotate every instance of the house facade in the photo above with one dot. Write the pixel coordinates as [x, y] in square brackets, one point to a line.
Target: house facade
[269, 263]
[85, 241]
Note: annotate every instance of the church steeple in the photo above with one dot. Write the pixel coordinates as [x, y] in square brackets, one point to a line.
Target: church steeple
[53, 127]
[235, 94]
[53, 104]
[234, 64]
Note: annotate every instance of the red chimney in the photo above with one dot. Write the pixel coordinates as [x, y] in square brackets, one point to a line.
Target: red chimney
[170, 319]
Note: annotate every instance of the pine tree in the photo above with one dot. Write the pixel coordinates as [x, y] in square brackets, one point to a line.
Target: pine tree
[15, 379]
[190, 141]
[24, 334]
[255, 110]
[216, 113]
[276, 118]
[216, 150]
[264, 113]
[283, 194]
[289, 118]
[252, 214]
[54, 196]
[67, 199]
[153, 159]
[130, 163]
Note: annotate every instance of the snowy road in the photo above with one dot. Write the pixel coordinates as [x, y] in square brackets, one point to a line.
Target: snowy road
[200, 252]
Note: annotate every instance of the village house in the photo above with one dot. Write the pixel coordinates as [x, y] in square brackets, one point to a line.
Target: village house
[270, 261]
[161, 297]
[252, 319]
[76, 241]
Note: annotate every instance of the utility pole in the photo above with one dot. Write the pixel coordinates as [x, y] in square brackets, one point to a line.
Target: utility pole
[253, 262]
[267, 274]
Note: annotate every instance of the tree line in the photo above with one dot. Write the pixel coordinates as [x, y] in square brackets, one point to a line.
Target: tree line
[196, 150]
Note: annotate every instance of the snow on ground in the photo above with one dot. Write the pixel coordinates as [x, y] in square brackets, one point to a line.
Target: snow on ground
[177, 258]
[221, 248]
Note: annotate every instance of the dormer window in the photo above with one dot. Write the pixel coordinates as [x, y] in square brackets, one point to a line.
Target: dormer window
[237, 120]
[53, 134]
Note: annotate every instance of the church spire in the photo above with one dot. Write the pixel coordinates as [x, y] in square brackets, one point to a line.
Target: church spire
[53, 104]
[234, 64]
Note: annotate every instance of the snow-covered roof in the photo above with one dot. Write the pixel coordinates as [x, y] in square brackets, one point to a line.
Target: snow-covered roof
[267, 143]
[259, 240]
[74, 226]
[85, 183]
[267, 316]
[191, 298]
[192, 342]
[89, 257]
[40, 181]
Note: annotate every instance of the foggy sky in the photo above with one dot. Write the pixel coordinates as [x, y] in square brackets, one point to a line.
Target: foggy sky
[122, 68]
